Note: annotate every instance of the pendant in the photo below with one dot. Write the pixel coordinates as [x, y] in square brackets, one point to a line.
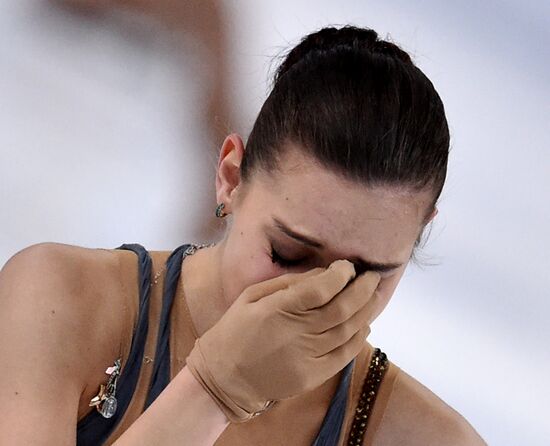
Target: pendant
[108, 408]
[105, 401]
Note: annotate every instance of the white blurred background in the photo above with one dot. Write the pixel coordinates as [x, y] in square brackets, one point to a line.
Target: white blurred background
[107, 137]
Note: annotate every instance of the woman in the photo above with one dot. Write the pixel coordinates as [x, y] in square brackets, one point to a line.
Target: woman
[251, 340]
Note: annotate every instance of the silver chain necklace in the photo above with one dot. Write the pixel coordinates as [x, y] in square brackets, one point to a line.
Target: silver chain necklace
[189, 251]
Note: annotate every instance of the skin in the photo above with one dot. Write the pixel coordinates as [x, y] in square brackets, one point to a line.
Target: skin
[351, 220]
[76, 306]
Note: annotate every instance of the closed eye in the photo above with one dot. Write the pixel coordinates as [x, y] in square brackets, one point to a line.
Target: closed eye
[285, 263]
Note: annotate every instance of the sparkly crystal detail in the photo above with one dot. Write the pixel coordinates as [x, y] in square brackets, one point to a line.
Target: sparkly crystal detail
[377, 368]
[108, 408]
[190, 250]
[105, 401]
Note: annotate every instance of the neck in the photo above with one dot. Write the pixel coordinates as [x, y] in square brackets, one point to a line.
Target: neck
[202, 287]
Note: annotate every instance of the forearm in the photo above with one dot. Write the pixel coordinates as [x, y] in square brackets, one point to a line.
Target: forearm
[183, 413]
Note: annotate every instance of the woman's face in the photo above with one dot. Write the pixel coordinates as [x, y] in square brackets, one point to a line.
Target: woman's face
[375, 228]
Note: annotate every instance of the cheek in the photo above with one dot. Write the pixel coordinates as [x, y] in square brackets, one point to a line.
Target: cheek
[387, 286]
[384, 292]
[244, 269]
[390, 283]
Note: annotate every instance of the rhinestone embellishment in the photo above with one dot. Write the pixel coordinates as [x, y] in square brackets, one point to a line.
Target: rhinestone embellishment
[108, 408]
[105, 401]
[377, 369]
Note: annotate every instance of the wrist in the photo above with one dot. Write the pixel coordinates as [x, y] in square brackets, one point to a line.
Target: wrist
[204, 400]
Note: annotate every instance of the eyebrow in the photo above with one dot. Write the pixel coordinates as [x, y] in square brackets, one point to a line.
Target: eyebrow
[362, 265]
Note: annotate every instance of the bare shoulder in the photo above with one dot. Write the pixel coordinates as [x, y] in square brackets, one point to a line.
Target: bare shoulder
[78, 307]
[72, 288]
[416, 413]
[56, 328]
[52, 275]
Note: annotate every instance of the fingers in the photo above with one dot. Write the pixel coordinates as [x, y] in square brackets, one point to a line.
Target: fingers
[263, 289]
[347, 303]
[316, 290]
[338, 335]
[331, 362]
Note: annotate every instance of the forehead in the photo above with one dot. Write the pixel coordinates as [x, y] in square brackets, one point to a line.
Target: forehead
[380, 223]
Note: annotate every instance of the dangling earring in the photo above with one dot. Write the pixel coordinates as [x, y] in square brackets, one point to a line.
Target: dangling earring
[219, 212]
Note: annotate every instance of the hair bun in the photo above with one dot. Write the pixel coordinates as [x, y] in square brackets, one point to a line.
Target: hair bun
[350, 37]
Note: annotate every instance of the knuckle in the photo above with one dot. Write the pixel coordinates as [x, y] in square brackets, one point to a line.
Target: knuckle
[340, 312]
[316, 294]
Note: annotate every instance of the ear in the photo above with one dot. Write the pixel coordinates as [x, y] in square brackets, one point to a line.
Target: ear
[228, 174]
[432, 215]
[429, 218]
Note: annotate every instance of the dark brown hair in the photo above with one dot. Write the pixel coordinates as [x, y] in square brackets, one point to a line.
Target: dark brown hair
[359, 106]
